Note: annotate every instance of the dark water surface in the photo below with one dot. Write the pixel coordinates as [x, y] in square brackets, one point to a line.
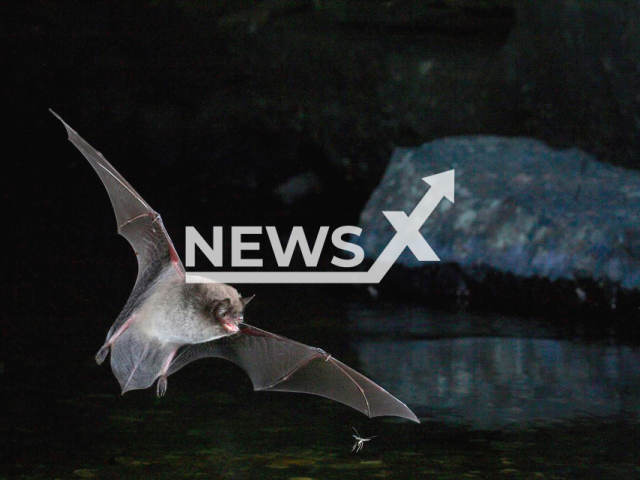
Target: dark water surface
[498, 398]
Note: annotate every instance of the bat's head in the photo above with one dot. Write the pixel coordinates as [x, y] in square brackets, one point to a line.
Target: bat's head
[223, 305]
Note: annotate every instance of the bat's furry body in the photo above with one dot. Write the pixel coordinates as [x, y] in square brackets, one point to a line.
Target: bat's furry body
[170, 313]
[168, 323]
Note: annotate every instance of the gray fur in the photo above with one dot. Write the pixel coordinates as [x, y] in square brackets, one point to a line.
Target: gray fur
[169, 313]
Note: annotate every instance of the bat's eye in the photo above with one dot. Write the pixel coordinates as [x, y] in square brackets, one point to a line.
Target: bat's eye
[222, 313]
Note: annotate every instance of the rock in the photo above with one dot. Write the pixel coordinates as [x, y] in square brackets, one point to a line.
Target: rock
[522, 209]
[299, 187]
[576, 65]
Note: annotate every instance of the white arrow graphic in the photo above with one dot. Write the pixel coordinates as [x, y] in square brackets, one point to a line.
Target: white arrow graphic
[408, 235]
[408, 228]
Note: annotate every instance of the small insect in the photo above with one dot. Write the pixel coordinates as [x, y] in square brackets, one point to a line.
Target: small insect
[359, 441]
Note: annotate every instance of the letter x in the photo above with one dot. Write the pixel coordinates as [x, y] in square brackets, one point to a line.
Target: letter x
[408, 229]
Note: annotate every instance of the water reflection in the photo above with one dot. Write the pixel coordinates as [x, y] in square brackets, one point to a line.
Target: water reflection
[490, 382]
[66, 419]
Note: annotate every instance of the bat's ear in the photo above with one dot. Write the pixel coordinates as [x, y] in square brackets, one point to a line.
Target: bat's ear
[223, 305]
[246, 300]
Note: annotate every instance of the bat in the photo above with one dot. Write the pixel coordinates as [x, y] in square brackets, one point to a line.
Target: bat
[167, 323]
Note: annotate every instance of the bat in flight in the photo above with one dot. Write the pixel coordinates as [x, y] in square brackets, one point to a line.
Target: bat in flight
[168, 323]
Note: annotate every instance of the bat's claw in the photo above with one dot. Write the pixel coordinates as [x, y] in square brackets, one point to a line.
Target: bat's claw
[102, 354]
[162, 386]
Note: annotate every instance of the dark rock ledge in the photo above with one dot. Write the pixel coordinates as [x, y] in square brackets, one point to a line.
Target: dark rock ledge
[530, 225]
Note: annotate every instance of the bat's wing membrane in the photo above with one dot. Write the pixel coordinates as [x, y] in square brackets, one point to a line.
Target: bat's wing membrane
[278, 364]
[137, 221]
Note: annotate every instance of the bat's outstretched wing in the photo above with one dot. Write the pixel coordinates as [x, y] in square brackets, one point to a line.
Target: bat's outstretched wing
[278, 364]
[137, 221]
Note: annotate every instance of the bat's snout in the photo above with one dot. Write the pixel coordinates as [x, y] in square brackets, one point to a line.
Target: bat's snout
[230, 324]
[230, 327]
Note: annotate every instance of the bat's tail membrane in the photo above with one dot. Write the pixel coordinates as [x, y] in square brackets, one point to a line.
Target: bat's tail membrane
[137, 359]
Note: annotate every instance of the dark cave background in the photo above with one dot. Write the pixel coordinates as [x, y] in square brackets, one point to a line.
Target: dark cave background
[281, 112]
[274, 112]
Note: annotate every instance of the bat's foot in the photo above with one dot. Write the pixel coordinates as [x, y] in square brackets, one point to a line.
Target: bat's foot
[102, 354]
[162, 386]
